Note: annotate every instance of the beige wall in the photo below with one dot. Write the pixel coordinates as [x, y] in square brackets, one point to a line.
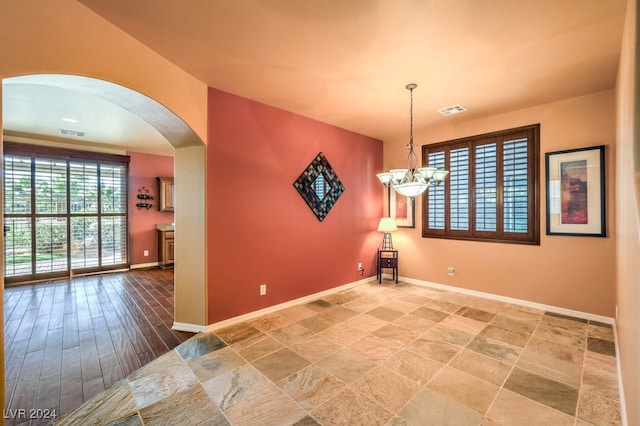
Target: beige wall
[65, 37]
[191, 232]
[628, 233]
[575, 273]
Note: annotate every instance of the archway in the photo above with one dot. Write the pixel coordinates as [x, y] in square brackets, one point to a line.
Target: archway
[189, 165]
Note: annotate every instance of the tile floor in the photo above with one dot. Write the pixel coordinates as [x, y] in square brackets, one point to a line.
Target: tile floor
[378, 355]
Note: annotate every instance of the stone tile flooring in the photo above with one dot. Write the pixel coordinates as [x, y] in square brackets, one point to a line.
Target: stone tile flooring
[376, 355]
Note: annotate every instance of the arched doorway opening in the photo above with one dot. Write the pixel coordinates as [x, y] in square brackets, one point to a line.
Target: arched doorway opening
[189, 171]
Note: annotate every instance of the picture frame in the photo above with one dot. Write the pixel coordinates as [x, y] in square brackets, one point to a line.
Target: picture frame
[402, 209]
[575, 183]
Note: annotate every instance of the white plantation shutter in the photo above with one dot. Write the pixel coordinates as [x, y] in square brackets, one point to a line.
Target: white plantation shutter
[17, 188]
[436, 195]
[459, 189]
[486, 184]
[50, 186]
[113, 220]
[515, 187]
[83, 180]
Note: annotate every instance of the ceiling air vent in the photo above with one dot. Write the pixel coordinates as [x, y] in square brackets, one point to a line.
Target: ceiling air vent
[453, 109]
[68, 132]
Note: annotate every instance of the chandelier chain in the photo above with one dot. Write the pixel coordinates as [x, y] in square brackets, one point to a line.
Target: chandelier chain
[412, 159]
[411, 118]
[413, 180]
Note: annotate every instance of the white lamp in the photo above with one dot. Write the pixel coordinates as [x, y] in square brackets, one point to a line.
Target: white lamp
[387, 225]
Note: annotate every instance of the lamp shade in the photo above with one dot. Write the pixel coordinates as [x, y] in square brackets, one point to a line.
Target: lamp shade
[387, 224]
[398, 174]
[411, 189]
[385, 178]
[427, 172]
[440, 175]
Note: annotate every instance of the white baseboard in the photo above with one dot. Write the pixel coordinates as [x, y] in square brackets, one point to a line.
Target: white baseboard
[191, 328]
[550, 308]
[290, 303]
[251, 315]
[623, 403]
[314, 296]
[143, 265]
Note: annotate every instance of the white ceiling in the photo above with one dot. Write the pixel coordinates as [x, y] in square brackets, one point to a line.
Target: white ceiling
[346, 62]
[57, 108]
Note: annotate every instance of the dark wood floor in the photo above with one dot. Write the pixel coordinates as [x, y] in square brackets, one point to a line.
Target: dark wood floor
[66, 341]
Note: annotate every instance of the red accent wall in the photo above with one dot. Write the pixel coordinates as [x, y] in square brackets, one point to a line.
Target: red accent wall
[143, 171]
[260, 231]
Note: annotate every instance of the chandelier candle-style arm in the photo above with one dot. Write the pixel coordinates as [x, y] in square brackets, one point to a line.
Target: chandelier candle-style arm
[412, 181]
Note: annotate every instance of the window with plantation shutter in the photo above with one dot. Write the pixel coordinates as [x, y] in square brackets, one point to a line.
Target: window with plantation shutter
[492, 190]
[65, 212]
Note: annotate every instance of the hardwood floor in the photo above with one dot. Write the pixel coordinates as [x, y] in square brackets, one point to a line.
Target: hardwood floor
[68, 340]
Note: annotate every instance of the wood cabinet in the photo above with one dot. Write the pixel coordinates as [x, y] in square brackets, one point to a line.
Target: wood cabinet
[165, 249]
[167, 196]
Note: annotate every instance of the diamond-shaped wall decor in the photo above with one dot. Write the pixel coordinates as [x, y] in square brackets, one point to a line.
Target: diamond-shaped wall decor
[319, 194]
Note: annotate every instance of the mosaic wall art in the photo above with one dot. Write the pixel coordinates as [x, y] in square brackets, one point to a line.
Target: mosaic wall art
[319, 186]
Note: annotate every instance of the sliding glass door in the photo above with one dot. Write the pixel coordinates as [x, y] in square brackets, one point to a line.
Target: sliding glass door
[63, 216]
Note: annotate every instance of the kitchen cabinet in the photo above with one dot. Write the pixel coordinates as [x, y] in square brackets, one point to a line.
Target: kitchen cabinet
[167, 196]
[165, 246]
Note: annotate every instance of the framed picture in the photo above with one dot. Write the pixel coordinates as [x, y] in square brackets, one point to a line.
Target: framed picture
[402, 209]
[576, 192]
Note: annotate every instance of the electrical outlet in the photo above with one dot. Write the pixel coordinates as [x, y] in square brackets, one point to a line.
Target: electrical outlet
[263, 289]
[146, 252]
[451, 270]
[360, 268]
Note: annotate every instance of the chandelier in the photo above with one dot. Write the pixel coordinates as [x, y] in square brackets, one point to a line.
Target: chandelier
[413, 180]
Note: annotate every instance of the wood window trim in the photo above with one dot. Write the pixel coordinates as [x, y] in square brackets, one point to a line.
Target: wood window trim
[532, 236]
[17, 148]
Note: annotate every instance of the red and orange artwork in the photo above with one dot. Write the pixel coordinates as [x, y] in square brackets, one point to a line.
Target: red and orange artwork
[402, 208]
[573, 192]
